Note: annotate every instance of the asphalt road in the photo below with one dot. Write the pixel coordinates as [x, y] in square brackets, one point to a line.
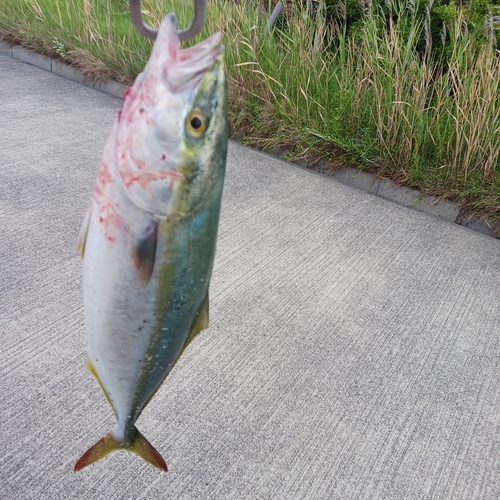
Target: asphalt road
[353, 350]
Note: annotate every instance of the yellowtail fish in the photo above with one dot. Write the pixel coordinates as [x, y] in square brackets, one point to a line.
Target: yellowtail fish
[148, 238]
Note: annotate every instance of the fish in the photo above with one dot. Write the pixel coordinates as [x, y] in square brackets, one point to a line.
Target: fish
[148, 238]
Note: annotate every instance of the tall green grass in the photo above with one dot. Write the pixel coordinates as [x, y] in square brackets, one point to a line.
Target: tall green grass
[314, 90]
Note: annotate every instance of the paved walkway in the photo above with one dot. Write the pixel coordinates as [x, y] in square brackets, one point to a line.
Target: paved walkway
[353, 350]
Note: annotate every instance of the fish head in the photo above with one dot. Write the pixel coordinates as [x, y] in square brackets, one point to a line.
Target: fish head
[171, 133]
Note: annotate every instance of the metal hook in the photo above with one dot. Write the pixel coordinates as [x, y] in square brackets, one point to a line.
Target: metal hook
[148, 32]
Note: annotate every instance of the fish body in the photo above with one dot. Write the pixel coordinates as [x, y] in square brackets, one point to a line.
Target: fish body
[148, 238]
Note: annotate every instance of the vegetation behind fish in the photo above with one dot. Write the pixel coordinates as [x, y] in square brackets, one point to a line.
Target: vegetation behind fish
[371, 91]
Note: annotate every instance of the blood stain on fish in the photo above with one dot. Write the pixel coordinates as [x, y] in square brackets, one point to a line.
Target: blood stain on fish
[127, 93]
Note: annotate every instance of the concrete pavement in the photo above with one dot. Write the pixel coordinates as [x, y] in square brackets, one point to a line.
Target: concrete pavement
[353, 350]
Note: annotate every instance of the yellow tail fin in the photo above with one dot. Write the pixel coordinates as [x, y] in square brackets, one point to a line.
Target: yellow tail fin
[138, 445]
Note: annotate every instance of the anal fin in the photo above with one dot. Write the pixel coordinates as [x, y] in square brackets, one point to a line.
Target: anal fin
[93, 371]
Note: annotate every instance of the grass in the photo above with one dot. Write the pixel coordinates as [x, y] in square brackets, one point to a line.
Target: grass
[372, 98]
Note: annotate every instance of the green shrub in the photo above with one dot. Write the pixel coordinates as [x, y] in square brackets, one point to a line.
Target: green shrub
[481, 19]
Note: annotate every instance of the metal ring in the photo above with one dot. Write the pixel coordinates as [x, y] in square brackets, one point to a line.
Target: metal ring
[148, 32]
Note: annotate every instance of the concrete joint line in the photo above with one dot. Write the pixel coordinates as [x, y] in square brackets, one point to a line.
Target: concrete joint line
[349, 176]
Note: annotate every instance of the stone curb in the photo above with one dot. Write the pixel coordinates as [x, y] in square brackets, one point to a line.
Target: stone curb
[62, 69]
[409, 197]
[349, 176]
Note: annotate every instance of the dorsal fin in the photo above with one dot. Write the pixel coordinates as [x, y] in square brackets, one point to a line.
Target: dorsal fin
[201, 322]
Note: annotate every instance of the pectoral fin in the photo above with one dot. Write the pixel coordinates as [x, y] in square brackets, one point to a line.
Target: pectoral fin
[144, 252]
[84, 231]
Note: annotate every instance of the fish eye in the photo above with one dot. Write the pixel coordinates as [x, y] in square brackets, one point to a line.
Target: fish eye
[196, 123]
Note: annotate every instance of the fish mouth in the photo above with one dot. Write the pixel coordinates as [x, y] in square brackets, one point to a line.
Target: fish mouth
[182, 69]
